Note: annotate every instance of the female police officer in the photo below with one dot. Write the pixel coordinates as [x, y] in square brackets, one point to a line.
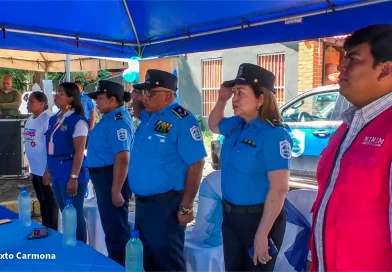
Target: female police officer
[107, 160]
[255, 169]
[66, 139]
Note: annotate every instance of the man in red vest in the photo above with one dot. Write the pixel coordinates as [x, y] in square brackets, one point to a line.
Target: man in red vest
[352, 215]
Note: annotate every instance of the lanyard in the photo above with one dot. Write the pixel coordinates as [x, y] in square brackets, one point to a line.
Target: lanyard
[57, 125]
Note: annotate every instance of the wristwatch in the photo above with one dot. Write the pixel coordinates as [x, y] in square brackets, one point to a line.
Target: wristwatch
[74, 176]
[185, 211]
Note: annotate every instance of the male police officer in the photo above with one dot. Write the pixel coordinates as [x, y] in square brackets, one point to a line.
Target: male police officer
[108, 160]
[165, 171]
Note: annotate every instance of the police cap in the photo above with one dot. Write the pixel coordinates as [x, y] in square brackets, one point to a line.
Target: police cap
[158, 78]
[254, 75]
[109, 87]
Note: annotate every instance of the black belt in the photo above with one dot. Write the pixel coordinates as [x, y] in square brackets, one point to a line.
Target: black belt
[100, 169]
[158, 197]
[231, 208]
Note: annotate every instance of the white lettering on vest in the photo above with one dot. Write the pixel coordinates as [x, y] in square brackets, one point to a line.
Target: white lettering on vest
[373, 141]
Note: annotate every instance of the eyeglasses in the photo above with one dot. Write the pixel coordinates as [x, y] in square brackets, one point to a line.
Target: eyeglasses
[150, 93]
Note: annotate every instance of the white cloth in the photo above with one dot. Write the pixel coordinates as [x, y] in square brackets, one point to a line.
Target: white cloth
[302, 200]
[35, 143]
[203, 244]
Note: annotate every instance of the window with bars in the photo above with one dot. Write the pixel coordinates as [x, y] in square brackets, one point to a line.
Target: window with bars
[211, 81]
[275, 64]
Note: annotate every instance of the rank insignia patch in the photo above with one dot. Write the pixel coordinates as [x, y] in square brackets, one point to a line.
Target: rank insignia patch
[249, 142]
[180, 112]
[118, 116]
[162, 127]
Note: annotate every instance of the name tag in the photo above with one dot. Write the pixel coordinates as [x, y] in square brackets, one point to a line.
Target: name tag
[51, 148]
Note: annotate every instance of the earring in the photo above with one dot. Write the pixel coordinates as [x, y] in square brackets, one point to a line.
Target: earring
[68, 107]
[258, 108]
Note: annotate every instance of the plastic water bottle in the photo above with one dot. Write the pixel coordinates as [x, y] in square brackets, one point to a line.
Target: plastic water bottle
[24, 207]
[134, 253]
[69, 224]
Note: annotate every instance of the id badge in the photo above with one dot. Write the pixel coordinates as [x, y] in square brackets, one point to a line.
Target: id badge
[51, 148]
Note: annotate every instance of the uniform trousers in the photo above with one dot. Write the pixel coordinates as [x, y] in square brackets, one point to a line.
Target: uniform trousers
[114, 219]
[160, 232]
[239, 231]
[60, 191]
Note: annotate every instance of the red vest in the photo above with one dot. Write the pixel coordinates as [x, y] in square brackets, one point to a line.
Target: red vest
[356, 232]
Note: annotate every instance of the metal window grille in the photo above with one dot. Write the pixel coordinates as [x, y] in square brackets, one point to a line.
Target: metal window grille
[211, 81]
[276, 64]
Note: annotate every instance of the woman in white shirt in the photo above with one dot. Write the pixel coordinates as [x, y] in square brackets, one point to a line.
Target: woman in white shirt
[35, 146]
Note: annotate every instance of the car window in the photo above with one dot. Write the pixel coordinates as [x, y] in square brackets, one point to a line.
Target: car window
[317, 107]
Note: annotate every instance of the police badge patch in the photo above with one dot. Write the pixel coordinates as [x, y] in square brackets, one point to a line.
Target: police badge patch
[285, 149]
[196, 133]
[122, 134]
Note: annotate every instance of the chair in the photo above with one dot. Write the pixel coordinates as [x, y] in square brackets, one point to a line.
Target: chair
[95, 233]
[294, 251]
[203, 244]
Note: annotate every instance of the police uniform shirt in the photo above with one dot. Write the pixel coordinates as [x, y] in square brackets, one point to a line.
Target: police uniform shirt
[248, 153]
[88, 105]
[166, 144]
[113, 134]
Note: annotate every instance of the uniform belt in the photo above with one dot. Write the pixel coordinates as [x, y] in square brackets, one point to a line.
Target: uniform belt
[231, 208]
[158, 197]
[100, 169]
[65, 156]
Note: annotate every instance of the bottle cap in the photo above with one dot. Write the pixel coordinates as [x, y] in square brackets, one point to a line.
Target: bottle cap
[23, 188]
[68, 201]
[134, 233]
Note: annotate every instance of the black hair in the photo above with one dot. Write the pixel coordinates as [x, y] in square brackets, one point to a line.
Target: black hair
[72, 90]
[120, 99]
[379, 37]
[41, 97]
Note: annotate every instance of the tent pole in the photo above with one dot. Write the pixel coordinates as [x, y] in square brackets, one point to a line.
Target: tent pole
[133, 27]
[68, 67]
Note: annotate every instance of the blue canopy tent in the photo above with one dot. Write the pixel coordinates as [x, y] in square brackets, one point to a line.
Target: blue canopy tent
[125, 28]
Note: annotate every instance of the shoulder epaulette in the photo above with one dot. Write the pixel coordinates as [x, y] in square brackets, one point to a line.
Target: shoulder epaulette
[118, 116]
[180, 111]
[275, 123]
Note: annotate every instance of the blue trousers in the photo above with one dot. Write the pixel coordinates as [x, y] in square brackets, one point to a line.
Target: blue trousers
[114, 220]
[161, 234]
[60, 191]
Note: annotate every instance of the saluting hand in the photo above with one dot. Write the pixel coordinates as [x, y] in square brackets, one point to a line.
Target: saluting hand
[117, 199]
[225, 93]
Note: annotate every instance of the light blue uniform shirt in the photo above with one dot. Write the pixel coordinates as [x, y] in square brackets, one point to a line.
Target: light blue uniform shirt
[166, 144]
[88, 105]
[113, 134]
[249, 152]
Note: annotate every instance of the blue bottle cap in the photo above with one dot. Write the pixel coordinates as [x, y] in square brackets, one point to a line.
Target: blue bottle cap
[68, 201]
[23, 188]
[134, 233]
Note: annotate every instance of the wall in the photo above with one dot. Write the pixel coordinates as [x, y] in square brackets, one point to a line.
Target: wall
[310, 65]
[190, 70]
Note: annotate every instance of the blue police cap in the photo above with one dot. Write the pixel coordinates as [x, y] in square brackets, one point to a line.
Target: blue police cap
[254, 75]
[109, 87]
[158, 78]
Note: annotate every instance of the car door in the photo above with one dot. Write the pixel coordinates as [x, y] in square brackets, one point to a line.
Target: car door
[311, 120]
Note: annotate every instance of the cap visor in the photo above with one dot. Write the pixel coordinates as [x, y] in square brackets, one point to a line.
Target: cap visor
[229, 83]
[142, 86]
[93, 95]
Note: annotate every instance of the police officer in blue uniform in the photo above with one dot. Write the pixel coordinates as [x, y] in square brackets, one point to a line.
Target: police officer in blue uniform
[255, 169]
[108, 161]
[167, 160]
[65, 142]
